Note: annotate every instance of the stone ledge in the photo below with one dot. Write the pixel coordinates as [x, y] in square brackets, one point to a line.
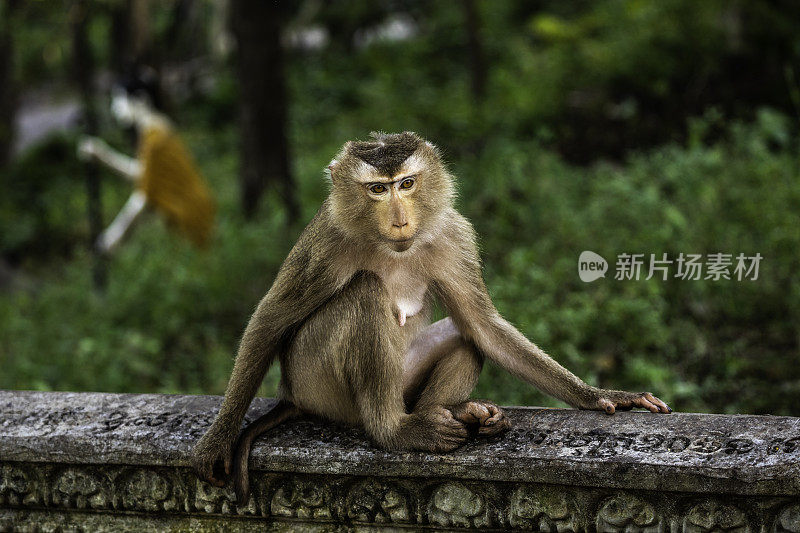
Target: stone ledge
[115, 462]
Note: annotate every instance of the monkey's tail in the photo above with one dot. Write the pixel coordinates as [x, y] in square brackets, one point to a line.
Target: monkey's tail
[282, 411]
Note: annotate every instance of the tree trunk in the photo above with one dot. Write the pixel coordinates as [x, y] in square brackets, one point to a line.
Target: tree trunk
[8, 93]
[83, 65]
[477, 60]
[263, 104]
[130, 39]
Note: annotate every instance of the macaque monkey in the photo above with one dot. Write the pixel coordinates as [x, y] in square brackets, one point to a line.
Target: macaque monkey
[348, 316]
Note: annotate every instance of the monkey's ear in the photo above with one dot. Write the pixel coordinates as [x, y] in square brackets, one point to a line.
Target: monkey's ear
[331, 169]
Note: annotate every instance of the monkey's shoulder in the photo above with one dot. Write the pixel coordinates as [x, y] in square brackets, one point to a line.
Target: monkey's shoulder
[318, 241]
[458, 228]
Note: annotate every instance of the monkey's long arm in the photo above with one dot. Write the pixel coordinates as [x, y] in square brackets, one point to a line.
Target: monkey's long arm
[301, 286]
[464, 293]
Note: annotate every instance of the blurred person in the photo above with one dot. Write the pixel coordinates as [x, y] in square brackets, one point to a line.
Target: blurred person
[163, 173]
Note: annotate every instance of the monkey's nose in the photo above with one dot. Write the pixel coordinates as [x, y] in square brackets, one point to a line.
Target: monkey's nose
[400, 224]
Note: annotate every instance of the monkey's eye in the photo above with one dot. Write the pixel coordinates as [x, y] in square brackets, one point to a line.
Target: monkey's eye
[377, 188]
[407, 183]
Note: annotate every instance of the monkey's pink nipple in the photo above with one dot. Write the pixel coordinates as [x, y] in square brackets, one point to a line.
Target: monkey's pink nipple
[401, 317]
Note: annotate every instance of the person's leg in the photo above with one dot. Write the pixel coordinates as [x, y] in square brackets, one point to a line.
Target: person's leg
[130, 212]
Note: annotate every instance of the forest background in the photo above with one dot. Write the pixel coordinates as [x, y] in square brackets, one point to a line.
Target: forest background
[617, 126]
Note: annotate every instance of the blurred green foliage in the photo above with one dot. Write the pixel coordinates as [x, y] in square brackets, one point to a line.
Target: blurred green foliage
[714, 168]
[172, 315]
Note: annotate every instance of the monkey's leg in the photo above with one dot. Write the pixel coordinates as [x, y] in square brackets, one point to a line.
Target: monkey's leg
[346, 363]
[441, 369]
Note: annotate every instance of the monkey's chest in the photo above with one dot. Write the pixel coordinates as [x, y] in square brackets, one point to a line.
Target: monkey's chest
[406, 292]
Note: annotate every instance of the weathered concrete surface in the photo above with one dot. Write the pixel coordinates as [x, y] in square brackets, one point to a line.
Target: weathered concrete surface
[557, 470]
[689, 452]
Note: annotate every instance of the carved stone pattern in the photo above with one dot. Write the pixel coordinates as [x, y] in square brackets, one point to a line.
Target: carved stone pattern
[18, 486]
[788, 520]
[164, 491]
[297, 498]
[192, 424]
[715, 516]
[454, 505]
[79, 488]
[629, 514]
[542, 509]
[597, 443]
[372, 501]
[594, 443]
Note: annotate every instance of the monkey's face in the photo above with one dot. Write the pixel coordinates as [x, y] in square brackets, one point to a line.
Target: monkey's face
[394, 213]
[388, 191]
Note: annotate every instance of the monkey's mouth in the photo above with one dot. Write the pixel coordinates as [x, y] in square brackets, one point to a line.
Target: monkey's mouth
[401, 245]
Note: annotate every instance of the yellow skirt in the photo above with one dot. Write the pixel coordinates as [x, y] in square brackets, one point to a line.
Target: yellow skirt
[172, 185]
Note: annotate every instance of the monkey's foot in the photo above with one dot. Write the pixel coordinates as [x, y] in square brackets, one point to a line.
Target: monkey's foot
[611, 401]
[483, 414]
[438, 431]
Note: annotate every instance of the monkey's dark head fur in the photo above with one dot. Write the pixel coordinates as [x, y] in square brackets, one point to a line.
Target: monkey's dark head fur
[396, 215]
[387, 152]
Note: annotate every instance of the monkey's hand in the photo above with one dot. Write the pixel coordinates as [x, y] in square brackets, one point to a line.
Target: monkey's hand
[212, 456]
[610, 401]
